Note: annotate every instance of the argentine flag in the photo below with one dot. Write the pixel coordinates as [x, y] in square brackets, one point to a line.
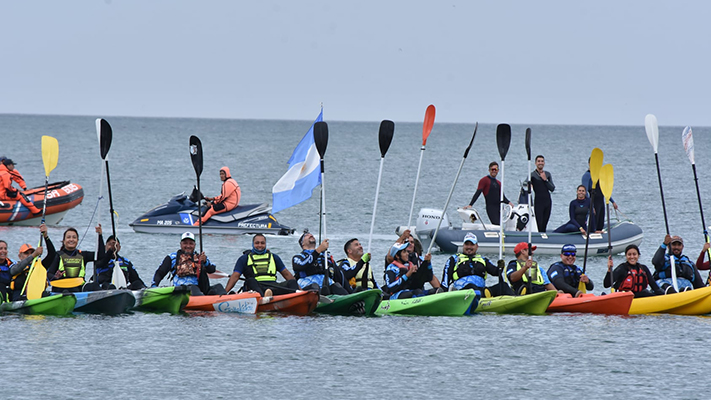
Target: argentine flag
[303, 176]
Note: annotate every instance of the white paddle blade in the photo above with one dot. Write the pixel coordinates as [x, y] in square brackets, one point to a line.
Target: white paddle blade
[98, 130]
[688, 141]
[650, 125]
[118, 279]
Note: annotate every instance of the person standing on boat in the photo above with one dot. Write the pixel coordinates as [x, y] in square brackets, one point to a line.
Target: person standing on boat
[8, 174]
[598, 223]
[687, 276]
[105, 267]
[404, 279]
[259, 267]
[517, 274]
[309, 266]
[228, 198]
[543, 186]
[578, 211]
[566, 276]
[630, 276]
[188, 268]
[356, 267]
[468, 270]
[491, 188]
[27, 254]
[71, 262]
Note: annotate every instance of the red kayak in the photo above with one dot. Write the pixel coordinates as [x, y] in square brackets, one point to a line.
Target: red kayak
[61, 197]
[299, 303]
[613, 303]
[241, 303]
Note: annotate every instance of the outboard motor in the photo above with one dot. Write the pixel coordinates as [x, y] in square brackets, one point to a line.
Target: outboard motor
[519, 218]
[427, 220]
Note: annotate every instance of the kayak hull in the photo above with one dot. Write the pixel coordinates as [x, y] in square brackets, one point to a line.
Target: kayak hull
[108, 302]
[61, 197]
[617, 303]
[361, 303]
[455, 303]
[241, 303]
[533, 304]
[58, 304]
[170, 299]
[299, 303]
[692, 302]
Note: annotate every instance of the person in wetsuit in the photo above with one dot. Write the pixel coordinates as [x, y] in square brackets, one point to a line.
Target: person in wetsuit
[598, 202]
[578, 210]
[543, 186]
[631, 276]
[491, 188]
[565, 275]
[71, 262]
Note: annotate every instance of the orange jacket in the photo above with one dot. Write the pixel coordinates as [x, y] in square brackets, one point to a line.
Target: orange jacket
[230, 193]
[13, 175]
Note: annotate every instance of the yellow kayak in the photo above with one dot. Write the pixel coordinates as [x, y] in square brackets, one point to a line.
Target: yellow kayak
[692, 302]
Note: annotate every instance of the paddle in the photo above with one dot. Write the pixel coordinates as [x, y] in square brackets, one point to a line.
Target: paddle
[321, 140]
[607, 181]
[385, 137]
[688, 140]
[196, 158]
[67, 283]
[530, 208]
[503, 140]
[444, 210]
[426, 130]
[37, 276]
[595, 165]
[652, 129]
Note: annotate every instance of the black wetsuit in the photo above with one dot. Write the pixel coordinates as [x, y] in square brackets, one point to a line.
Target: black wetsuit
[542, 204]
[491, 188]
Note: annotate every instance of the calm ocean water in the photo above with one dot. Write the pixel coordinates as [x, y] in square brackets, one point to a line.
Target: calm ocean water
[221, 356]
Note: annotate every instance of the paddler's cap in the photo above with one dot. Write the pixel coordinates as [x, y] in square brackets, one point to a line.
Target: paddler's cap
[569, 248]
[26, 247]
[187, 235]
[8, 161]
[523, 245]
[397, 247]
[471, 238]
[677, 239]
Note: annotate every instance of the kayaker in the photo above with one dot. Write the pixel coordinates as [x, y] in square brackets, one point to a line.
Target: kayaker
[356, 267]
[468, 270]
[188, 268]
[309, 266]
[105, 267]
[259, 267]
[542, 187]
[71, 262]
[228, 198]
[702, 265]
[517, 272]
[491, 188]
[8, 174]
[27, 254]
[578, 211]
[687, 276]
[598, 223]
[566, 276]
[404, 279]
[631, 276]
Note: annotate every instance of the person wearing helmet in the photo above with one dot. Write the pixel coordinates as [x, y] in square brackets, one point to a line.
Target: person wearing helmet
[406, 279]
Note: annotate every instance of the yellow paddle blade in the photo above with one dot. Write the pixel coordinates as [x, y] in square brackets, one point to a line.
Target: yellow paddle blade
[595, 165]
[50, 153]
[581, 287]
[607, 181]
[67, 283]
[37, 280]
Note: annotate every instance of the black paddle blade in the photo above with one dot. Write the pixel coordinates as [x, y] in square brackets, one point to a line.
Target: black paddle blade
[105, 138]
[387, 128]
[321, 137]
[466, 152]
[196, 154]
[503, 139]
[528, 143]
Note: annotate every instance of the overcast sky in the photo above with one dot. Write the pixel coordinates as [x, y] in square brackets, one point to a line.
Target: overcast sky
[549, 62]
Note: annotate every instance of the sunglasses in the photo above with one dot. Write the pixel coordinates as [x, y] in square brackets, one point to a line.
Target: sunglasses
[568, 253]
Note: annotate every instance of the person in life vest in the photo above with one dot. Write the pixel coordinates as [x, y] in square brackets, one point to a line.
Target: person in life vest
[468, 270]
[356, 267]
[8, 174]
[490, 187]
[519, 270]
[687, 276]
[105, 267]
[188, 268]
[406, 279]
[259, 267]
[702, 265]
[631, 276]
[27, 255]
[228, 198]
[565, 275]
[309, 267]
[71, 262]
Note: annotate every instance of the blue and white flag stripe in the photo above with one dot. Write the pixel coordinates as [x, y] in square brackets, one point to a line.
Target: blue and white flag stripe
[303, 176]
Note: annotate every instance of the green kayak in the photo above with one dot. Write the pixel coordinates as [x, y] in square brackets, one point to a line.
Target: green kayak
[454, 303]
[535, 304]
[58, 304]
[171, 299]
[360, 303]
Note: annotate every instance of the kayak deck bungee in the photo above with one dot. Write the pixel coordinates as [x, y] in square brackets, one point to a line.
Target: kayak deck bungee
[617, 303]
[109, 302]
[299, 303]
[533, 304]
[57, 304]
[691, 302]
[242, 303]
[360, 303]
[454, 304]
[170, 299]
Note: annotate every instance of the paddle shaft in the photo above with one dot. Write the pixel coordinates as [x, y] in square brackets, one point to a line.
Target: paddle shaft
[199, 213]
[666, 222]
[326, 290]
[111, 201]
[701, 209]
[530, 208]
[375, 203]
[417, 180]
[590, 222]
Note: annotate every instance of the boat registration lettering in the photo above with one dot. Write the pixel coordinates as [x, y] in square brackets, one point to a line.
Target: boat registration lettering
[163, 222]
[70, 188]
[52, 194]
[251, 225]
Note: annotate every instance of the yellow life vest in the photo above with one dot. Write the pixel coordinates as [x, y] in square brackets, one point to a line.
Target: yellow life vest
[465, 259]
[263, 266]
[536, 278]
[72, 266]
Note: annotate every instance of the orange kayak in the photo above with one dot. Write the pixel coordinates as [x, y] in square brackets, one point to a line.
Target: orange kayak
[241, 303]
[613, 303]
[299, 303]
[61, 197]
